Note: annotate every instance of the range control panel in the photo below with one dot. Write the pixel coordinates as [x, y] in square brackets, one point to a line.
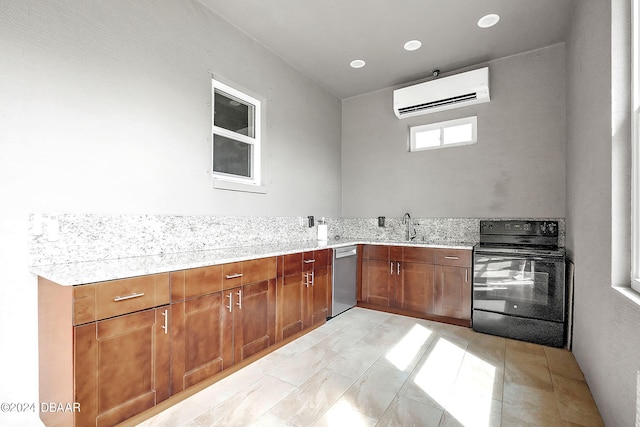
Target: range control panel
[519, 228]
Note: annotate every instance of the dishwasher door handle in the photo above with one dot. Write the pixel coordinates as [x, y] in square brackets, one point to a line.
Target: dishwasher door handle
[345, 252]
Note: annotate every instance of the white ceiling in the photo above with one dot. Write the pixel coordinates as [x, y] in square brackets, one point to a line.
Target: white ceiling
[321, 37]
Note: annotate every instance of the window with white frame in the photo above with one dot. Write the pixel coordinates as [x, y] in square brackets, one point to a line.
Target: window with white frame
[443, 134]
[635, 147]
[236, 137]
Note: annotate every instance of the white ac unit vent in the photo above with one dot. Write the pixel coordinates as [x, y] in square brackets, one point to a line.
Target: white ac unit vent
[458, 90]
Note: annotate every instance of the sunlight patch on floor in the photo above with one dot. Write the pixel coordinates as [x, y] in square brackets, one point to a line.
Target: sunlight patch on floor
[406, 349]
[472, 402]
[438, 373]
[344, 413]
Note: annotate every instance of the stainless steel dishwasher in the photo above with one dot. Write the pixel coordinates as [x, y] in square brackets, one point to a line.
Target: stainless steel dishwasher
[345, 261]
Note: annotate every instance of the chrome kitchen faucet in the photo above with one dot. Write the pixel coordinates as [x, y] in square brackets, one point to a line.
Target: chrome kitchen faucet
[411, 232]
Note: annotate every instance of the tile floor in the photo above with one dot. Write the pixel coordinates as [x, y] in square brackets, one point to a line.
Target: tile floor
[368, 368]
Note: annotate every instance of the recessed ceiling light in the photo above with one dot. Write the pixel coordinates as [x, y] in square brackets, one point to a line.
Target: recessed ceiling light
[412, 45]
[357, 63]
[488, 20]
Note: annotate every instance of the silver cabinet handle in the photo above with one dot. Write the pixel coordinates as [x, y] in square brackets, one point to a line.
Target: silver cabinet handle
[312, 277]
[165, 327]
[234, 276]
[230, 306]
[398, 264]
[239, 303]
[451, 257]
[306, 279]
[309, 261]
[391, 267]
[126, 297]
[466, 275]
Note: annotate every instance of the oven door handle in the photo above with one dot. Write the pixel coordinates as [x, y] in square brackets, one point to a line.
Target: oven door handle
[523, 257]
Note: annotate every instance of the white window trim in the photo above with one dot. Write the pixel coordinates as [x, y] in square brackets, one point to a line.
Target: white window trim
[413, 130]
[223, 181]
[635, 146]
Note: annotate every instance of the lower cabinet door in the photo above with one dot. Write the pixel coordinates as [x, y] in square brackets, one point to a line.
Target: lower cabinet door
[121, 366]
[378, 282]
[318, 291]
[290, 305]
[415, 290]
[254, 318]
[202, 339]
[453, 292]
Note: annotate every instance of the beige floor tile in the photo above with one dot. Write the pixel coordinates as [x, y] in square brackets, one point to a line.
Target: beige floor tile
[409, 349]
[309, 401]
[356, 370]
[379, 376]
[355, 361]
[487, 347]
[385, 334]
[304, 365]
[479, 377]
[343, 413]
[371, 402]
[468, 410]
[561, 362]
[529, 406]
[434, 377]
[247, 405]
[525, 347]
[407, 412]
[527, 368]
[575, 402]
[269, 420]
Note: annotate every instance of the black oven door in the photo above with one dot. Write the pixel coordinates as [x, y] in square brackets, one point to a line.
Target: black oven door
[524, 286]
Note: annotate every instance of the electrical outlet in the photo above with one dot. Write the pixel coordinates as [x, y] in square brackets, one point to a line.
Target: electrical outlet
[310, 219]
[380, 221]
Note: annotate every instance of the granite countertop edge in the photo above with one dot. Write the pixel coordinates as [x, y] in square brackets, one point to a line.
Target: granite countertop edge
[80, 273]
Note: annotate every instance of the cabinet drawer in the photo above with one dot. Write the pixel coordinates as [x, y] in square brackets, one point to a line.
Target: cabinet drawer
[195, 282]
[376, 252]
[258, 270]
[290, 264]
[108, 299]
[454, 257]
[232, 275]
[419, 255]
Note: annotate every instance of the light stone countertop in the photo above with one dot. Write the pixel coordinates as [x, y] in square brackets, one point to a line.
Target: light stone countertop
[80, 273]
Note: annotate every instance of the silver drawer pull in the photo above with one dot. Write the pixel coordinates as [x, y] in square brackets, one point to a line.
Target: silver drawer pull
[309, 261]
[234, 276]
[165, 326]
[230, 306]
[451, 257]
[133, 295]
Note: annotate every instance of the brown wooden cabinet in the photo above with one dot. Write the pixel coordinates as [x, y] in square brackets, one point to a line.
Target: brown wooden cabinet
[290, 296]
[316, 270]
[414, 289]
[420, 281]
[380, 274]
[221, 315]
[254, 317]
[303, 291]
[104, 346]
[121, 366]
[453, 283]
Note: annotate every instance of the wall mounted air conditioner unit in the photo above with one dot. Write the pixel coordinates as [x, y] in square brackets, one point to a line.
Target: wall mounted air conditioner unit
[458, 90]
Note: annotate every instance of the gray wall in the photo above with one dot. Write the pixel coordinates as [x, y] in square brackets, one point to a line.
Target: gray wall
[606, 326]
[515, 170]
[105, 108]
